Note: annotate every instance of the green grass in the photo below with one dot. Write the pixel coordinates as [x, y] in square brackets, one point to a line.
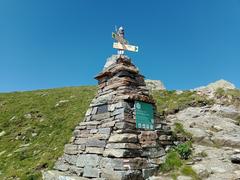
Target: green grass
[169, 102]
[184, 150]
[36, 129]
[173, 162]
[188, 171]
[175, 166]
[179, 130]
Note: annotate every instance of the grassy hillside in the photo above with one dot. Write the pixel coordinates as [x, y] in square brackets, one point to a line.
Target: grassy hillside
[35, 125]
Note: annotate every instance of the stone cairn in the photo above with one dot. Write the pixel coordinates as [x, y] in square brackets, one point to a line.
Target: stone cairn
[107, 145]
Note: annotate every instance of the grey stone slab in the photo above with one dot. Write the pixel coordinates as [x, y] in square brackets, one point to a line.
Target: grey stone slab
[94, 150]
[122, 175]
[71, 159]
[148, 172]
[94, 110]
[107, 124]
[76, 170]
[104, 130]
[90, 123]
[123, 146]
[88, 160]
[92, 142]
[102, 116]
[121, 153]
[91, 172]
[125, 138]
[153, 152]
[81, 141]
[57, 175]
[71, 149]
[125, 125]
[111, 163]
[102, 109]
[88, 112]
[118, 111]
[61, 166]
[101, 136]
[120, 116]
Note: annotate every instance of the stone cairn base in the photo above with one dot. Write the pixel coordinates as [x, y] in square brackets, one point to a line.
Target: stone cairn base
[107, 145]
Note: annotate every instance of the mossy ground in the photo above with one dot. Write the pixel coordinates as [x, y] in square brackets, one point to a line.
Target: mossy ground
[229, 97]
[36, 129]
[169, 102]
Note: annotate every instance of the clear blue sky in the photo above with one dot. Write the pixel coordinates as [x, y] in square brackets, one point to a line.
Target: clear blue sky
[57, 43]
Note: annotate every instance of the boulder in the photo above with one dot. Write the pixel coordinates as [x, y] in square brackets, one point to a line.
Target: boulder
[154, 84]
[201, 170]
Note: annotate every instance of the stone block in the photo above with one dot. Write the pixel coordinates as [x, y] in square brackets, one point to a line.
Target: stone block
[117, 112]
[71, 159]
[71, 149]
[100, 136]
[94, 150]
[88, 160]
[94, 110]
[88, 112]
[61, 166]
[76, 170]
[165, 138]
[148, 172]
[109, 173]
[122, 175]
[90, 127]
[147, 136]
[120, 116]
[93, 123]
[91, 172]
[148, 144]
[93, 142]
[153, 152]
[121, 153]
[135, 163]
[102, 109]
[108, 124]
[93, 131]
[102, 116]
[104, 130]
[122, 146]
[57, 175]
[80, 127]
[125, 125]
[125, 138]
[81, 141]
[111, 163]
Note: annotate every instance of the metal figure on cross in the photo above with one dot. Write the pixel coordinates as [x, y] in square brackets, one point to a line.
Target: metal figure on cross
[120, 32]
[122, 44]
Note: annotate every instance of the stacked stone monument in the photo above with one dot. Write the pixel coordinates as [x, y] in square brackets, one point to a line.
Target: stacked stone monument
[107, 144]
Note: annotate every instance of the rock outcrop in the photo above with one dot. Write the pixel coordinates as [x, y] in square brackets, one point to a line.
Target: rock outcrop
[107, 144]
[211, 88]
[216, 140]
[155, 84]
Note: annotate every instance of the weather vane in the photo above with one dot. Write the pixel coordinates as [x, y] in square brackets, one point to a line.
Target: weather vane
[122, 44]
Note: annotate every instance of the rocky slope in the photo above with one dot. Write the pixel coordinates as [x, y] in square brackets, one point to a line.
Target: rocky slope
[215, 132]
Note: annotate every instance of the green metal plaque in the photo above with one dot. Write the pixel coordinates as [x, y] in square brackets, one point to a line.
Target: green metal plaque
[144, 115]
